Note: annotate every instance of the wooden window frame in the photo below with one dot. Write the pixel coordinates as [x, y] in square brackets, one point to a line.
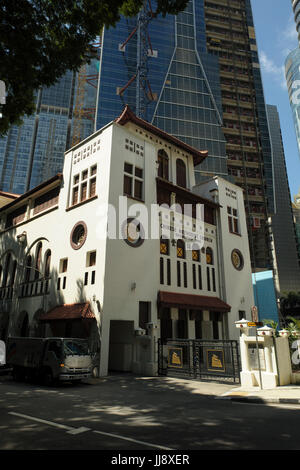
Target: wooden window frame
[84, 185]
[134, 178]
[233, 220]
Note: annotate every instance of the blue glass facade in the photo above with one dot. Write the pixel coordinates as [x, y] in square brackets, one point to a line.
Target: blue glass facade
[33, 152]
[183, 79]
[292, 73]
[265, 296]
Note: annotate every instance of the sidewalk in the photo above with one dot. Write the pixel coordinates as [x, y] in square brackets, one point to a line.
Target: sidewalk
[221, 391]
[284, 394]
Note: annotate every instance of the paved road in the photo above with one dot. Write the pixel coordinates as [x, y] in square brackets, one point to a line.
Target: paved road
[121, 413]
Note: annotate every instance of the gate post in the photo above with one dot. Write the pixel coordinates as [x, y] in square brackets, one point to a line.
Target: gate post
[265, 359]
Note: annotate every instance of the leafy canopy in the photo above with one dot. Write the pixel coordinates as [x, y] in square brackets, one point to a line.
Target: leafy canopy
[41, 39]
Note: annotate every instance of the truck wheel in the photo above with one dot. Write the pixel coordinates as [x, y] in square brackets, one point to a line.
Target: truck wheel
[47, 378]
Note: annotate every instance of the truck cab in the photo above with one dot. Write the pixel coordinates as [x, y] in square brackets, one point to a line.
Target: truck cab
[49, 359]
[67, 358]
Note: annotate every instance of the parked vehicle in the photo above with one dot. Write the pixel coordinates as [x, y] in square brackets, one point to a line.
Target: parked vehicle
[4, 368]
[49, 359]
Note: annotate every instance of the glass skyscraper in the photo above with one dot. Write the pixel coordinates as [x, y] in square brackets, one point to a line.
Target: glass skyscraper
[292, 73]
[183, 94]
[203, 86]
[34, 152]
[196, 76]
[286, 258]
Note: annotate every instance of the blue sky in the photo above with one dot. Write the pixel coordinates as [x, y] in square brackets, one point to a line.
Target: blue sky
[276, 36]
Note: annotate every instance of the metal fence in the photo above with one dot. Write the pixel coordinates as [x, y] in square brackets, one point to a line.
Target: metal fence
[212, 360]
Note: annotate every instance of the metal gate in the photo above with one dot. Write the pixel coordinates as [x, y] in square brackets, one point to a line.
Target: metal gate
[211, 360]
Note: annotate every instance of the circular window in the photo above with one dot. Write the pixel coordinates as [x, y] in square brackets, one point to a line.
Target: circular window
[237, 259]
[78, 235]
[133, 232]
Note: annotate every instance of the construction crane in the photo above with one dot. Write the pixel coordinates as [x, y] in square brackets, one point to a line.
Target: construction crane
[81, 111]
[143, 92]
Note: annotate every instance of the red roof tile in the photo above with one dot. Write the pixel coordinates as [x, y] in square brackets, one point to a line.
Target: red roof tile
[69, 312]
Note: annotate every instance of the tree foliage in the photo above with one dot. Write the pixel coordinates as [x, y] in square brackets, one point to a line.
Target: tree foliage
[41, 39]
[290, 303]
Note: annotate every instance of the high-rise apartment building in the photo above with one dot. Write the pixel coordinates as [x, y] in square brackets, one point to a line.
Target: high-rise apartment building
[296, 213]
[196, 76]
[230, 35]
[296, 10]
[292, 74]
[283, 232]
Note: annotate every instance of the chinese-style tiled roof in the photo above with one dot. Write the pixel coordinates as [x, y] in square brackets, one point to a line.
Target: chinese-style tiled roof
[128, 116]
[200, 302]
[69, 312]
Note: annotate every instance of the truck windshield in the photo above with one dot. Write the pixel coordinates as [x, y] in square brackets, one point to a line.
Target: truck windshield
[76, 348]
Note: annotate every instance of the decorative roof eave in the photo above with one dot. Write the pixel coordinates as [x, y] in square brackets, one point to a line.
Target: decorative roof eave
[128, 116]
[193, 197]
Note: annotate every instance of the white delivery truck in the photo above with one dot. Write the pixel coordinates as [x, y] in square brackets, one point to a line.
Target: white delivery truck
[49, 359]
[3, 366]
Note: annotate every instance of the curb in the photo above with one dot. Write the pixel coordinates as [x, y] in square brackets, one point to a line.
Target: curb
[260, 400]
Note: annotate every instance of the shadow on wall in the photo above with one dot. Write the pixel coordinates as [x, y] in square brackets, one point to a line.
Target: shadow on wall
[31, 286]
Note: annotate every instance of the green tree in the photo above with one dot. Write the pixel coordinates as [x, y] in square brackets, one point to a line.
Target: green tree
[41, 39]
[289, 301]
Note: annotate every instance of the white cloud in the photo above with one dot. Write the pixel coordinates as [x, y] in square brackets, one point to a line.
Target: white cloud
[290, 32]
[269, 67]
[288, 37]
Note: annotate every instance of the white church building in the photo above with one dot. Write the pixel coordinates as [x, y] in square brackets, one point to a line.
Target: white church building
[93, 253]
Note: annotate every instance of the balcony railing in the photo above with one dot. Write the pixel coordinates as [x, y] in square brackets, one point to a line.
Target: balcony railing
[34, 288]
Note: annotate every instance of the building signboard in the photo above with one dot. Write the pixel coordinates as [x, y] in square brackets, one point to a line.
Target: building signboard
[215, 360]
[175, 357]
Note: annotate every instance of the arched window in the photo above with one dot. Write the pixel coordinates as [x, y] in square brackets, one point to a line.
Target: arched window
[28, 268]
[6, 269]
[180, 249]
[180, 173]
[47, 263]
[195, 254]
[163, 164]
[13, 273]
[38, 259]
[209, 256]
[164, 246]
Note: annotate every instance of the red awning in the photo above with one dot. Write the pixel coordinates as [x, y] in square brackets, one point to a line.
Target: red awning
[197, 302]
[80, 311]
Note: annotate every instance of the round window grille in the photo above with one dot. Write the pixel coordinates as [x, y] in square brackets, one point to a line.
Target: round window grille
[78, 235]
